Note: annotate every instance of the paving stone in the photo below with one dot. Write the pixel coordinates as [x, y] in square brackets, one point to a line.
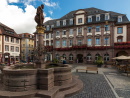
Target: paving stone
[95, 86]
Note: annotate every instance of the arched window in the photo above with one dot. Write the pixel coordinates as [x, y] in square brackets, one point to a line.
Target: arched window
[64, 56]
[96, 56]
[57, 56]
[106, 57]
[71, 57]
[89, 57]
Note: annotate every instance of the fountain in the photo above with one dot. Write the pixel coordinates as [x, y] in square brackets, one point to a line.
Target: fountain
[40, 80]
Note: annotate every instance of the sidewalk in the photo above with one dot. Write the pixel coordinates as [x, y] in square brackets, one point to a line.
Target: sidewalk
[109, 83]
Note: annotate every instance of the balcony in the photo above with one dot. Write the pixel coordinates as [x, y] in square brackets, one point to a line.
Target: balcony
[122, 45]
[64, 36]
[58, 37]
[83, 47]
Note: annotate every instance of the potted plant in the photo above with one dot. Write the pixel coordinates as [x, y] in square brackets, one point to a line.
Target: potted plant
[99, 61]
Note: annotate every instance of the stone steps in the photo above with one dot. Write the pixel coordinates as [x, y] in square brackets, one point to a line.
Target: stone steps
[74, 89]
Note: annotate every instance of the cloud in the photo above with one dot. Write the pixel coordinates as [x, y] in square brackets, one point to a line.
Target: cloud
[17, 19]
[51, 12]
[13, 1]
[49, 3]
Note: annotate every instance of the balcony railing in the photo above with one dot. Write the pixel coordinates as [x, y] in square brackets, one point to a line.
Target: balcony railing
[122, 45]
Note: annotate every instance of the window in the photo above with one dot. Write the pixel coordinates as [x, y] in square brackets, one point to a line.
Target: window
[57, 56]
[89, 57]
[7, 38]
[119, 30]
[106, 16]
[79, 42]
[96, 56]
[120, 39]
[47, 27]
[79, 31]
[58, 23]
[71, 57]
[64, 22]
[89, 42]
[12, 40]
[64, 56]
[106, 57]
[17, 40]
[64, 32]
[52, 26]
[71, 42]
[22, 35]
[71, 21]
[97, 17]
[64, 43]
[57, 43]
[6, 47]
[17, 49]
[97, 41]
[119, 18]
[12, 49]
[79, 20]
[89, 29]
[106, 41]
[107, 27]
[47, 43]
[71, 31]
[89, 18]
[97, 28]
[57, 33]
[47, 36]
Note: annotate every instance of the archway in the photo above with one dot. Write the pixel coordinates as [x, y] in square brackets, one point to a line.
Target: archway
[121, 53]
[79, 58]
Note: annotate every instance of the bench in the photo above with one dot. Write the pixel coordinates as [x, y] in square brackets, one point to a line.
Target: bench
[89, 69]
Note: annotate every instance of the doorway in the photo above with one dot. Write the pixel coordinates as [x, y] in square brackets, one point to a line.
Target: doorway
[79, 58]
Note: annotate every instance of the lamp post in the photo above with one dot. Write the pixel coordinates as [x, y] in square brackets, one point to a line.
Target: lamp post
[106, 38]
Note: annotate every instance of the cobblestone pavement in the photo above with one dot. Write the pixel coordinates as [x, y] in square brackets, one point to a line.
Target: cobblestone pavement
[95, 86]
[109, 83]
[120, 82]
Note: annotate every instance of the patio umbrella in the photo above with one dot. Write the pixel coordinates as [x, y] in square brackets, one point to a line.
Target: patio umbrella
[122, 57]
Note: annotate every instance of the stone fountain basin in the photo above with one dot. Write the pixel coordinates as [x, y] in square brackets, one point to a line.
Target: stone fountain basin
[31, 79]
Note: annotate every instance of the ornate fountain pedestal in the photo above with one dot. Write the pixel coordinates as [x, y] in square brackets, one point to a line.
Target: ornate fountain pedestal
[40, 47]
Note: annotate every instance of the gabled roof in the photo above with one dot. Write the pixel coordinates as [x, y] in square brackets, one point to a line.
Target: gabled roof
[90, 11]
[5, 30]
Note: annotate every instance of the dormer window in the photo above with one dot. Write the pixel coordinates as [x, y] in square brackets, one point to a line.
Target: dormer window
[58, 23]
[47, 28]
[79, 20]
[97, 17]
[119, 18]
[89, 18]
[64, 22]
[106, 16]
[71, 21]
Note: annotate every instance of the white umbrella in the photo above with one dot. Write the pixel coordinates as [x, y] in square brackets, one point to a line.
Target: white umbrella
[122, 57]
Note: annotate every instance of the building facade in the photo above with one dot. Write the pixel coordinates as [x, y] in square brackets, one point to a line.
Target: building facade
[27, 47]
[83, 35]
[9, 45]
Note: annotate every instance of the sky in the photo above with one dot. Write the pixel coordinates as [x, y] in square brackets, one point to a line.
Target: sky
[19, 14]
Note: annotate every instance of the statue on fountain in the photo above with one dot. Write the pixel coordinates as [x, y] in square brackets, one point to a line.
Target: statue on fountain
[39, 18]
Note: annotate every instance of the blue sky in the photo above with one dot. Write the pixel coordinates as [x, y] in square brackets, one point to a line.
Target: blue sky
[20, 13]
